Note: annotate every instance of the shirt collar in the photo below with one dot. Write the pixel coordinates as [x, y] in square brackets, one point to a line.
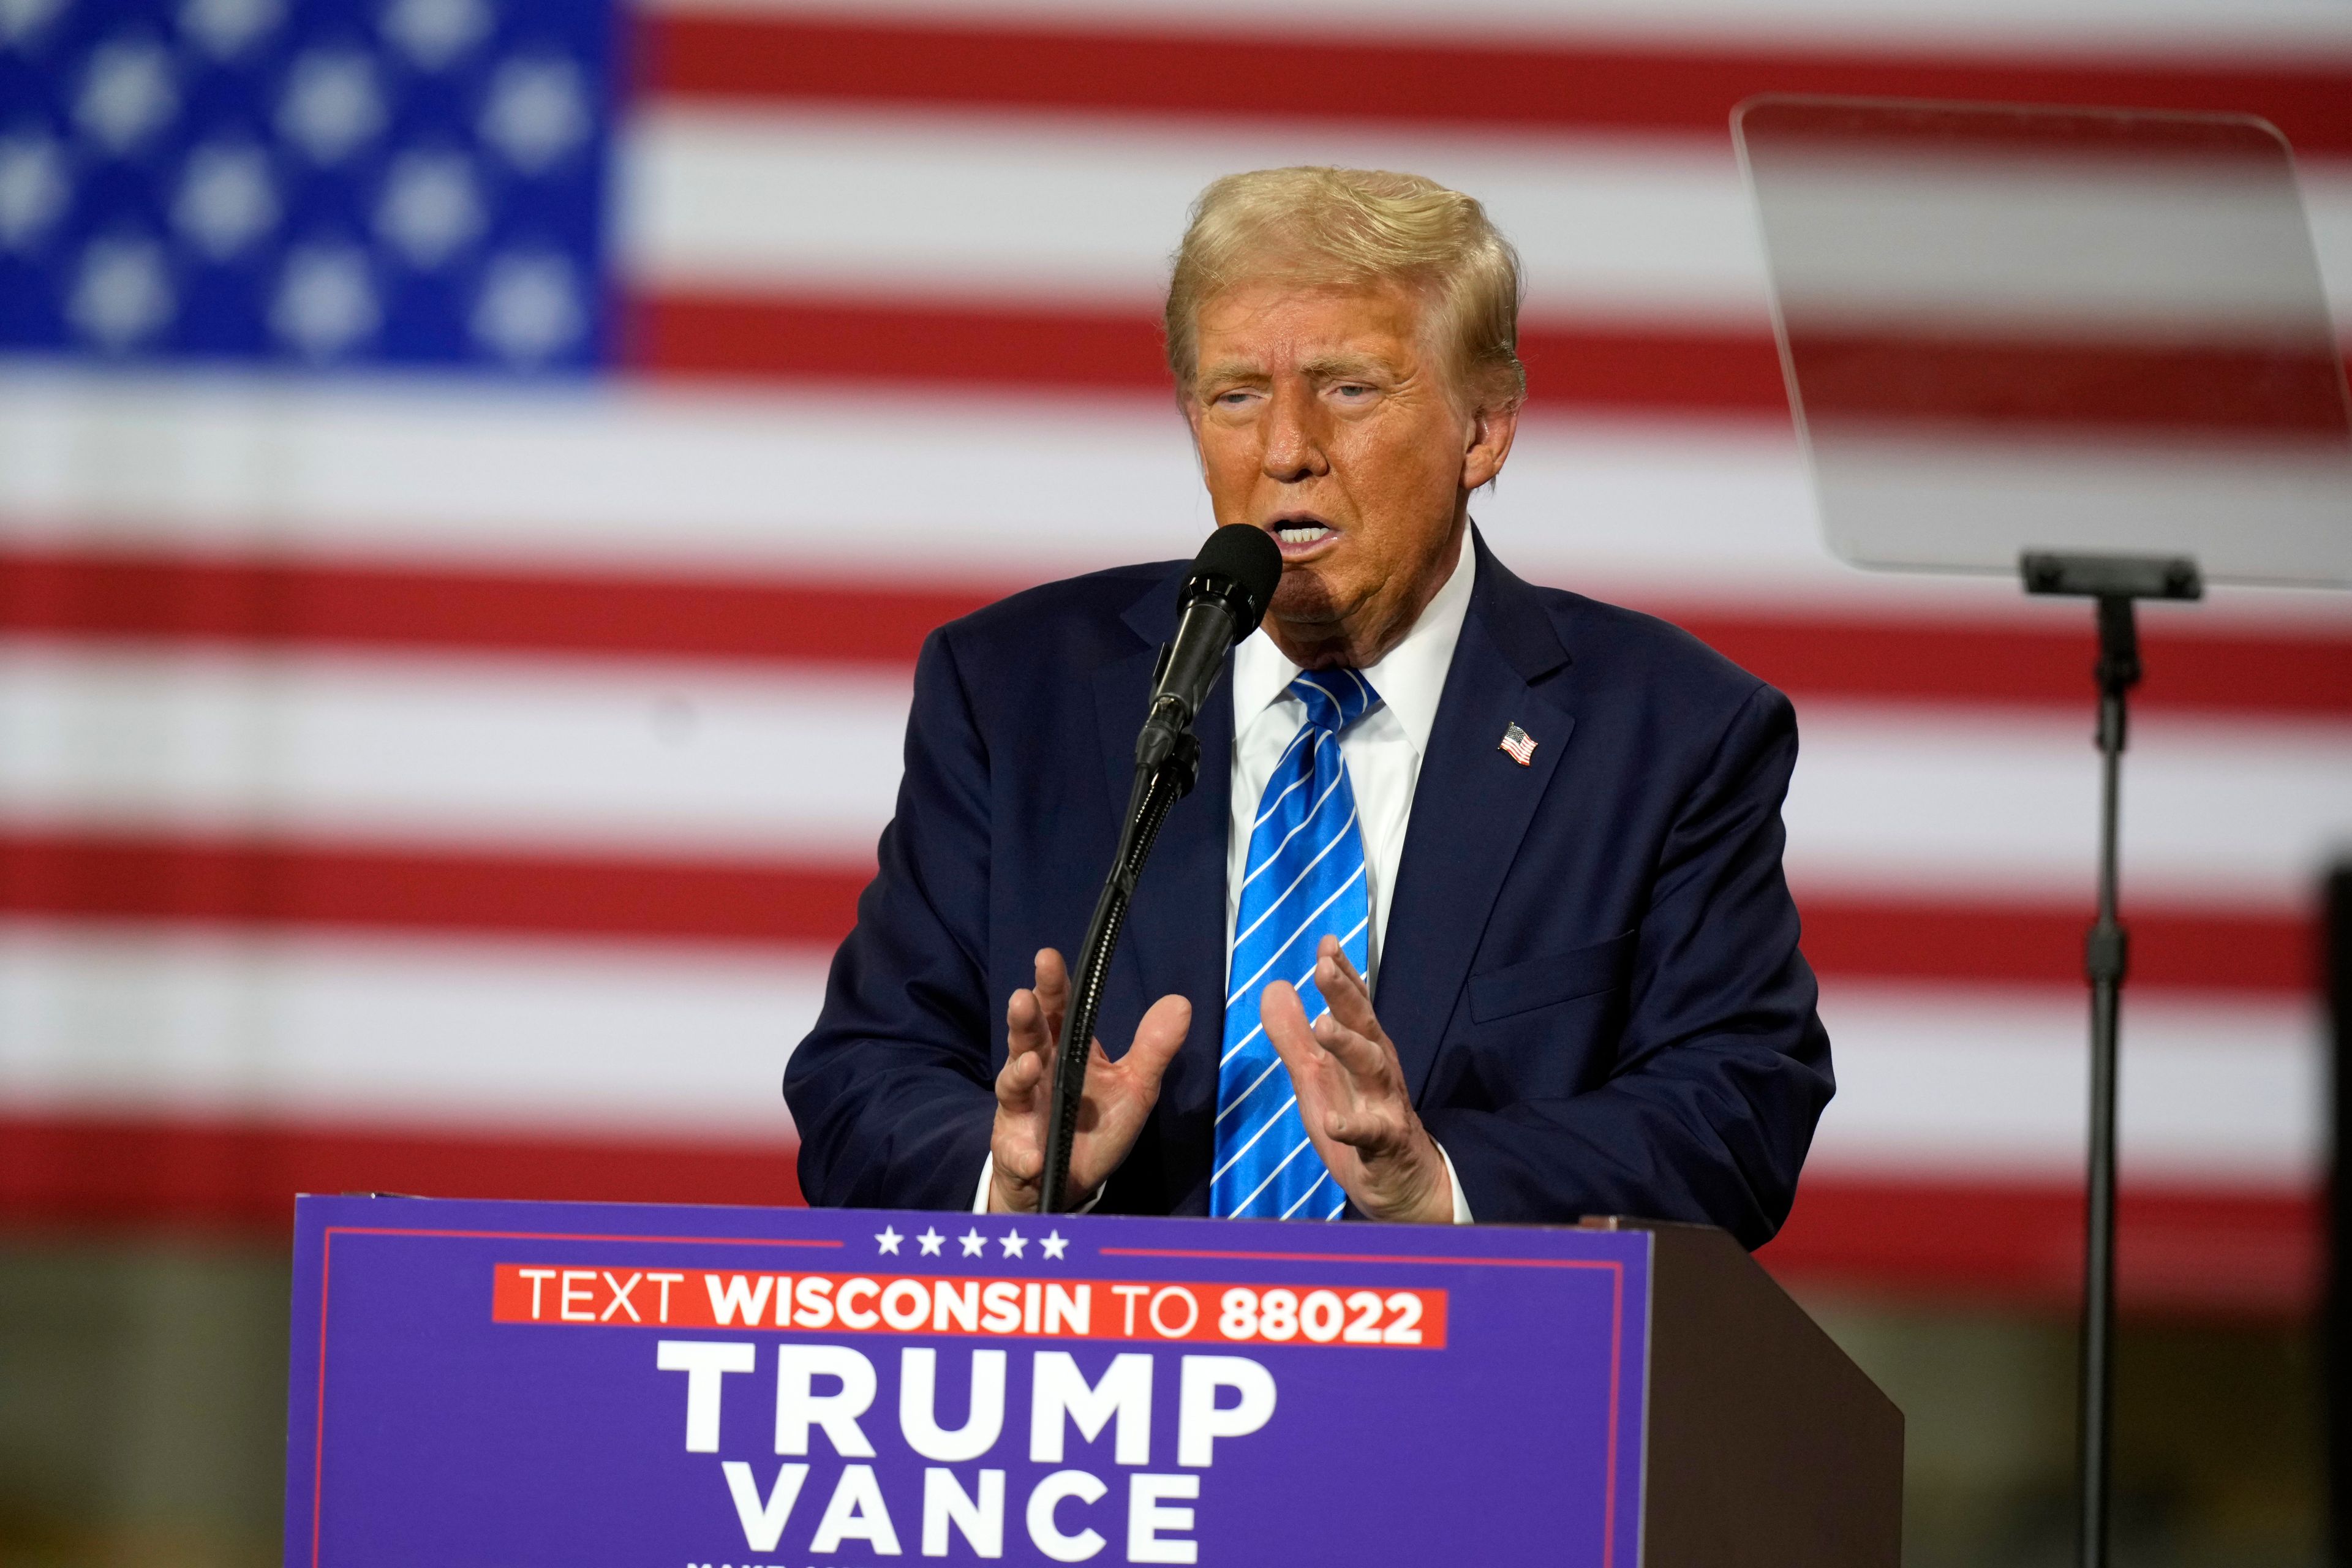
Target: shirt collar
[1410, 680]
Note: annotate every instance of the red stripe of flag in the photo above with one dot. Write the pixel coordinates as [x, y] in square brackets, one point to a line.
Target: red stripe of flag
[262, 603]
[2294, 391]
[278, 884]
[85, 1169]
[1603, 86]
[270, 883]
[762, 336]
[2256, 1252]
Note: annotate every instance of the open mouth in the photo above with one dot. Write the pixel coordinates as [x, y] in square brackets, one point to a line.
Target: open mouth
[1300, 535]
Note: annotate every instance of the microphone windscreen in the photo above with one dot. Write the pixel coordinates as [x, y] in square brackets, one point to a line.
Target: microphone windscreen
[1247, 558]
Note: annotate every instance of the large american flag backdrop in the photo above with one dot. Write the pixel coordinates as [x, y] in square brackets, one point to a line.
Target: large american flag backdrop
[474, 475]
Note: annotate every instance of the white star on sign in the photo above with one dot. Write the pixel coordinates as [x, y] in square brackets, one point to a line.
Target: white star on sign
[1013, 1242]
[1056, 1245]
[974, 1244]
[930, 1238]
[887, 1238]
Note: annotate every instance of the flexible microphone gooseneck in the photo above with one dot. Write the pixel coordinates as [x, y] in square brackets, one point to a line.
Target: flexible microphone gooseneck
[1226, 595]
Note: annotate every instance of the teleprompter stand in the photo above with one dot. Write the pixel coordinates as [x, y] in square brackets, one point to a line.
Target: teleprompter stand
[2117, 583]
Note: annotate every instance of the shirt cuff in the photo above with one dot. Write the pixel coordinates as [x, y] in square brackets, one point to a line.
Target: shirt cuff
[1461, 1203]
[988, 1174]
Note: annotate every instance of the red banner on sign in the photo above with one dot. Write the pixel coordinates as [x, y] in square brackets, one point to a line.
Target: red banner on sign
[938, 1304]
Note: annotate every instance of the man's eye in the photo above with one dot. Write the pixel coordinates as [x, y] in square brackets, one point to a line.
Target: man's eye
[1353, 389]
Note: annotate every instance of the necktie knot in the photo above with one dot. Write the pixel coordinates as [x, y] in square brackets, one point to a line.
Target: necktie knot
[1335, 699]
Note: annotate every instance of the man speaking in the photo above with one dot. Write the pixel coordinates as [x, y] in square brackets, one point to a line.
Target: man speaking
[1477, 910]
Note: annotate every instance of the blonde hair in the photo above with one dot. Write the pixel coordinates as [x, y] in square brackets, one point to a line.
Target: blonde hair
[1322, 228]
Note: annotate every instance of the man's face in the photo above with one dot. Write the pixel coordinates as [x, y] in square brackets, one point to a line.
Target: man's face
[1325, 417]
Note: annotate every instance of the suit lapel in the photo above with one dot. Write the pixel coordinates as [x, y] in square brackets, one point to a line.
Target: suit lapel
[1470, 808]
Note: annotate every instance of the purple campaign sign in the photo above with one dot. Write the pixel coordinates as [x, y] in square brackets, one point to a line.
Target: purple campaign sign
[505, 1385]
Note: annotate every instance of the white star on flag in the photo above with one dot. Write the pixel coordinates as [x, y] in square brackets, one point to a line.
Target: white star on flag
[887, 1238]
[1013, 1243]
[974, 1244]
[1055, 1245]
[930, 1238]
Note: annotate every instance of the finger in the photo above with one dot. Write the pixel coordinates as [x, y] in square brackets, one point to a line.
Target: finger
[1284, 1018]
[1365, 1126]
[1344, 989]
[1017, 1080]
[1024, 1024]
[1366, 1060]
[1053, 987]
[1157, 1041]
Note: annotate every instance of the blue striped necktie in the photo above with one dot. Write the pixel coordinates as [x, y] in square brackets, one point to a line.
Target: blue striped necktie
[1304, 881]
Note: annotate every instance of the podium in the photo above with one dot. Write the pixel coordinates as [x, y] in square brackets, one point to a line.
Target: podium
[512, 1383]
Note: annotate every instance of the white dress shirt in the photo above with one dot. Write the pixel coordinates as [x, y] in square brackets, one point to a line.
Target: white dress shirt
[1382, 750]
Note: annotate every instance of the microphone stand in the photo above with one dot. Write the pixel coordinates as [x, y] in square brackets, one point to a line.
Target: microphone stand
[1167, 765]
[2116, 581]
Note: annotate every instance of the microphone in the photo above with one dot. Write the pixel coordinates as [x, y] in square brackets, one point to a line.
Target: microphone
[1226, 595]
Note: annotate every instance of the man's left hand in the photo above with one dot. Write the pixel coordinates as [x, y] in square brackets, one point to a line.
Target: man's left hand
[1352, 1098]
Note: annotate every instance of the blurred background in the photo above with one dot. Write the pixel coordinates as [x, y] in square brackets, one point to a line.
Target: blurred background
[474, 475]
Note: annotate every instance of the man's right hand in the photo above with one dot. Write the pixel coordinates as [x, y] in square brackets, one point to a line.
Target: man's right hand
[1119, 1095]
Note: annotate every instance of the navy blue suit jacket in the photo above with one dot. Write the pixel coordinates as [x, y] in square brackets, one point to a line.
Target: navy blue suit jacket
[1590, 968]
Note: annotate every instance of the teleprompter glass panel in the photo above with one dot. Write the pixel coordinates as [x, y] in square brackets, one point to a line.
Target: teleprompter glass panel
[2020, 329]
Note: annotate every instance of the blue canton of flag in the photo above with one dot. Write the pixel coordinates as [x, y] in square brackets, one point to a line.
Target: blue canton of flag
[307, 182]
[1304, 881]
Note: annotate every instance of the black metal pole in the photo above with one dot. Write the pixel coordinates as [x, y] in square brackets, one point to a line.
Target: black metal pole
[1157, 787]
[2336, 1350]
[2116, 583]
[2106, 959]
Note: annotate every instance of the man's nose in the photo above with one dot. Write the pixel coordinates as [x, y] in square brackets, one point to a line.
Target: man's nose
[1293, 446]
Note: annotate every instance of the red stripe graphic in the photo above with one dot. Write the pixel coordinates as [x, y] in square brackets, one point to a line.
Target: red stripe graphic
[2177, 1247]
[280, 884]
[348, 605]
[1597, 86]
[2249, 1253]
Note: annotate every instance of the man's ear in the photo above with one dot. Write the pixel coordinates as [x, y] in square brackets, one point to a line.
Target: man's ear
[1492, 430]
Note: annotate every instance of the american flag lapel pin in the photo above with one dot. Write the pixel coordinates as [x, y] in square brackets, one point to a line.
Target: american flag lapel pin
[1519, 746]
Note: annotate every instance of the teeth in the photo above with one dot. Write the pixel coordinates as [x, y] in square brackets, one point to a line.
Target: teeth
[1307, 535]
